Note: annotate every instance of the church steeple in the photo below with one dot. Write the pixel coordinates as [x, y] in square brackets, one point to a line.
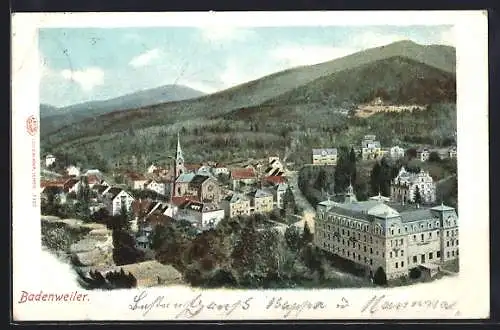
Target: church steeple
[349, 195]
[179, 158]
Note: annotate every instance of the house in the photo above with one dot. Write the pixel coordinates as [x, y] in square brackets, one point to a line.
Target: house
[152, 169]
[205, 188]
[135, 180]
[236, 204]
[50, 160]
[245, 176]
[205, 170]
[93, 171]
[452, 152]
[324, 156]
[116, 199]
[280, 192]
[396, 152]
[261, 201]
[275, 167]
[73, 170]
[157, 186]
[72, 185]
[95, 179]
[274, 180]
[423, 154]
[182, 184]
[54, 193]
[405, 185]
[221, 169]
[370, 147]
[200, 215]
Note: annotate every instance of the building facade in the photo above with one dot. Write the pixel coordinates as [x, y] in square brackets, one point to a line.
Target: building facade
[326, 156]
[375, 236]
[261, 201]
[205, 188]
[370, 147]
[235, 205]
[396, 152]
[405, 185]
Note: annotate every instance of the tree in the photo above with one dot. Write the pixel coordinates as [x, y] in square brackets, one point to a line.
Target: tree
[380, 277]
[418, 196]
[289, 204]
[434, 157]
[411, 153]
[292, 238]
[307, 236]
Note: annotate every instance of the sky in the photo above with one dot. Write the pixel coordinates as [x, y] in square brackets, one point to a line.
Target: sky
[85, 64]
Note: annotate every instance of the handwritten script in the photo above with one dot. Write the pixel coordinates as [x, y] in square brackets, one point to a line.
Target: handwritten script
[281, 307]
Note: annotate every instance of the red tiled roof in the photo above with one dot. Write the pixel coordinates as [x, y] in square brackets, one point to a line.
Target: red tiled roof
[135, 176]
[179, 200]
[243, 173]
[276, 179]
[52, 183]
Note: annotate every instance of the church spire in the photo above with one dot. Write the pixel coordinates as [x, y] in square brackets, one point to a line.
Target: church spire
[179, 158]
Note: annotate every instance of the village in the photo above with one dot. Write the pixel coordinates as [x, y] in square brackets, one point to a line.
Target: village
[202, 195]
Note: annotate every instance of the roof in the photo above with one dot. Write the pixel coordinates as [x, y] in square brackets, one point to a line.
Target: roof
[179, 200]
[134, 176]
[220, 165]
[384, 211]
[92, 179]
[275, 179]
[442, 207]
[282, 186]
[243, 173]
[113, 192]
[324, 151]
[198, 180]
[142, 206]
[71, 182]
[260, 193]
[235, 198]
[52, 183]
[185, 177]
[100, 188]
[53, 189]
[416, 215]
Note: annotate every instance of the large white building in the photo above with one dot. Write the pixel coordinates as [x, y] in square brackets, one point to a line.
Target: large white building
[405, 185]
[325, 156]
[370, 147]
[376, 236]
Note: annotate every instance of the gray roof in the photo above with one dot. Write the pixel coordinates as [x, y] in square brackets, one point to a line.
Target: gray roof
[416, 215]
[185, 177]
[327, 151]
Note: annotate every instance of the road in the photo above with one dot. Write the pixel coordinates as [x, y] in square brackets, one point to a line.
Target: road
[308, 212]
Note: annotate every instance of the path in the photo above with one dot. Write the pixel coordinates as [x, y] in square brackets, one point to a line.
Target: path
[308, 212]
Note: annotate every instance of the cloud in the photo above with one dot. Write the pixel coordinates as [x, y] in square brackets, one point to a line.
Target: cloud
[307, 55]
[145, 58]
[447, 37]
[87, 78]
[225, 33]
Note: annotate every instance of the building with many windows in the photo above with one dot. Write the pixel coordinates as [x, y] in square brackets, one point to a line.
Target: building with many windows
[324, 156]
[406, 184]
[390, 238]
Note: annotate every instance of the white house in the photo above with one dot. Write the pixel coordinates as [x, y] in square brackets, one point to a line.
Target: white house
[152, 168]
[396, 152]
[49, 160]
[156, 186]
[221, 169]
[452, 152]
[405, 185]
[201, 215]
[73, 170]
[280, 192]
[423, 154]
[324, 156]
[115, 199]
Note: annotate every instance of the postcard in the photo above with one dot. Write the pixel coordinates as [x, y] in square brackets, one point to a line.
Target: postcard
[251, 166]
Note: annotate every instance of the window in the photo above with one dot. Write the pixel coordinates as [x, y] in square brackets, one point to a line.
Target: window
[448, 254]
[452, 243]
[437, 223]
[457, 243]
[421, 237]
[438, 254]
[396, 265]
[402, 252]
[414, 259]
[364, 238]
[348, 233]
[371, 250]
[343, 241]
[402, 264]
[364, 248]
[359, 257]
[343, 232]
[414, 237]
[448, 244]
[406, 229]
[457, 253]
[401, 241]
[399, 231]
[390, 254]
[430, 235]
[422, 258]
[447, 233]
[452, 253]
[392, 231]
[348, 253]
[354, 255]
[371, 261]
[430, 255]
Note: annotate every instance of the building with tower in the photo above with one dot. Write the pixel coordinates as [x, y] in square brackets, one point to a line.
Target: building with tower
[179, 159]
[386, 237]
[407, 185]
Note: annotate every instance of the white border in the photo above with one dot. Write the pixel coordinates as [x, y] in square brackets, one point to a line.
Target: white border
[470, 290]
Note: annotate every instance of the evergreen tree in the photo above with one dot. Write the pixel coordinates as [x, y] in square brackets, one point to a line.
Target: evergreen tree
[418, 196]
[292, 238]
[375, 178]
[307, 236]
[289, 201]
[352, 165]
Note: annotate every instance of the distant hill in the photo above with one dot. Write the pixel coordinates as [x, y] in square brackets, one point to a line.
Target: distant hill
[53, 118]
[299, 105]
